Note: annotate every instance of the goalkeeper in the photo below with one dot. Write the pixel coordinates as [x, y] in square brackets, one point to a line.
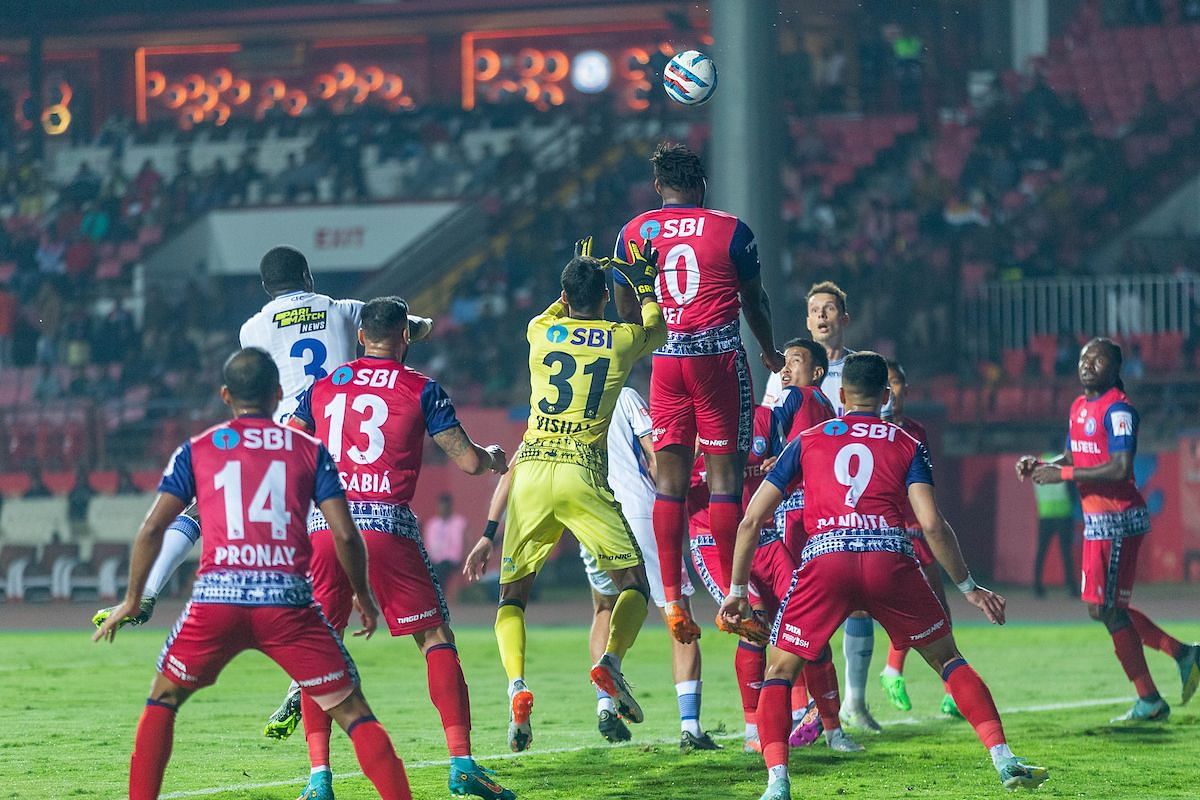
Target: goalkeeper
[578, 362]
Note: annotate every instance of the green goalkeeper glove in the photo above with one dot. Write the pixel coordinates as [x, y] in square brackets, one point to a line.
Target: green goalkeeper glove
[641, 271]
[583, 247]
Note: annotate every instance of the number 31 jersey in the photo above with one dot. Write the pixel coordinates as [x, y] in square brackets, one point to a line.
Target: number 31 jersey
[703, 257]
[373, 415]
[307, 335]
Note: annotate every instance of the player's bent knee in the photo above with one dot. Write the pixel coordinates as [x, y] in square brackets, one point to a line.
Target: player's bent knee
[939, 653]
[344, 706]
[782, 665]
[166, 692]
[433, 637]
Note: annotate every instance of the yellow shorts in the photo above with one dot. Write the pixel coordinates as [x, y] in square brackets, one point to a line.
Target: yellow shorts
[547, 497]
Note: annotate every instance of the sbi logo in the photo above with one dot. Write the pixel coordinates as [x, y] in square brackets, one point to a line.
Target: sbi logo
[225, 438]
[342, 375]
[835, 427]
[650, 228]
[557, 334]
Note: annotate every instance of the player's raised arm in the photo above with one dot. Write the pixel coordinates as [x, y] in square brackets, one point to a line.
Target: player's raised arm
[640, 273]
[470, 457]
[145, 550]
[944, 544]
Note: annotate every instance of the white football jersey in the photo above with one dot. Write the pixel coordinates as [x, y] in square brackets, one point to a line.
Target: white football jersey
[307, 334]
[628, 472]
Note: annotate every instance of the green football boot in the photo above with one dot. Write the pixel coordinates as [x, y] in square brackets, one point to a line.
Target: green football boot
[285, 719]
[896, 691]
[1016, 774]
[468, 778]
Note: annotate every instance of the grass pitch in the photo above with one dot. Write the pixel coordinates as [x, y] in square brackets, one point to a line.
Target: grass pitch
[68, 709]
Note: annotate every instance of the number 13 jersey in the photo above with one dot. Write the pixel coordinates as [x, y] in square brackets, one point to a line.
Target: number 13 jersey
[576, 369]
[307, 335]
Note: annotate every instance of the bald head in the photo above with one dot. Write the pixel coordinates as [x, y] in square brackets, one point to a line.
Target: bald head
[252, 379]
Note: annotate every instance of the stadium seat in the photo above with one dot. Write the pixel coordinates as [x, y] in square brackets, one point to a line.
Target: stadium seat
[15, 484]
[59, 482]
[104, 574]
[146, 480]
[15, 559]
[104, 481]
[57, 561]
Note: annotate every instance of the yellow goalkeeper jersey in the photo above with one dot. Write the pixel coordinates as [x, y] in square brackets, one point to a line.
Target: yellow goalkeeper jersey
[577, 368]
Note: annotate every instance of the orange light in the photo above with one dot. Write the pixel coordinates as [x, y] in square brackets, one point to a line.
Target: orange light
[374, 78]
[295, 102]
[239, 92]
[156, 83]
[487, 64]
[274, 89]
[222, 112]
[557, 65]
[194, 85]
[631, 62]
[405, 102]
[636, 95]
[56, 119]
[220, 79]
[707, 38]
[553, 94]
[392, 87]
[209, 98]
[264, 105]
[23, 122]
[325, 86]
[345, 75]
[360, 91]
[530, 62]
[194, 114]
[666, 49]
[64, 94]
[139, 67]
[175, 96]
[532, 90]
[499, 90]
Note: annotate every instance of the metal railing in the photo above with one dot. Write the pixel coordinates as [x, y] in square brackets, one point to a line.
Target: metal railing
[1008, 316]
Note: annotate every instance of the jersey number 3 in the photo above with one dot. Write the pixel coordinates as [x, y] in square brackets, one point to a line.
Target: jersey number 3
[314, 353]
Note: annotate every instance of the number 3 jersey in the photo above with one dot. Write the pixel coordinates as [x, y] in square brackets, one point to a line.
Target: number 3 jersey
[856, 471]
[373, 415]
[253, 482]
[307, 335]
[703, 257]
[576, 369]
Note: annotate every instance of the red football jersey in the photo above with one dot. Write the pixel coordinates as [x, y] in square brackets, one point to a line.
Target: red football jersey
[253, 482]
[373, 414]
[1099, 428]
[917, 431]
[855, 471]
[767, 442]
[704, 256]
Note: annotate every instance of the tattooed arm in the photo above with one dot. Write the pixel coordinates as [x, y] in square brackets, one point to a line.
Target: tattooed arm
[470, 457]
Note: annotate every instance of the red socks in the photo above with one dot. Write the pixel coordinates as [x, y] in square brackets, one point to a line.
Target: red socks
[670, 526]
[1154, 636]
[896, 658]
[973, 699]
[317, 727]
[748, 663]
[823, 686]
[151, 750]
[448, 691]
[774, 721]
[378, 759]
[1128, 645]
[724, 512]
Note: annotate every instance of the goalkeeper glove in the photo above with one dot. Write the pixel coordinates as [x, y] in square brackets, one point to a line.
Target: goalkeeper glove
[641, 271]
[583, 248]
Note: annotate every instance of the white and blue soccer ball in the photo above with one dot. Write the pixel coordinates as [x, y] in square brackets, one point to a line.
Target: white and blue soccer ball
[690, 78]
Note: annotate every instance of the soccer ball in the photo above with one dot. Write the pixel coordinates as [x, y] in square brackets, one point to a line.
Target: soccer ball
[690, 78]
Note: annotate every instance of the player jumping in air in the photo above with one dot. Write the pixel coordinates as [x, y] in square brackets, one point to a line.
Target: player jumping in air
[373, 414]
[858, 472]
[631, 477]
[700, 386]
[578, 363]
[892, 677]
[253, 482]
[1101, 446]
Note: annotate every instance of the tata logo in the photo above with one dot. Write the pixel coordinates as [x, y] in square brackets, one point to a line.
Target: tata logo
[650, 228]
[342, 375]
[835, 427]
[225, 438]
[1089, 427]
[557, 334]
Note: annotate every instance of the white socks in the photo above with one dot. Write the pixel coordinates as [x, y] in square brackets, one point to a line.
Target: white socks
[777, 773]
[999, 753]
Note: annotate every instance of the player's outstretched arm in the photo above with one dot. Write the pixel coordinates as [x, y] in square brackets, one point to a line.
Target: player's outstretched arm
[944, 544]
[468, 456]
[145, 550]
[762, 505]
[756, 307]
[476, 562]
[352, 555]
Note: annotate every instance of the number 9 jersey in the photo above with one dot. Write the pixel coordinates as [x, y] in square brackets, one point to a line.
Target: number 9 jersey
[307, 335]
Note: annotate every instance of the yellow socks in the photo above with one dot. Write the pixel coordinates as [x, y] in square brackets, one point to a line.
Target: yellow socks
[627, 617]
[510, 636]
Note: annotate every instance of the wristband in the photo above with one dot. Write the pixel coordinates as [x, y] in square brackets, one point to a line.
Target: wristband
[489, 531]
[1066, 473]
[738, 590]
[968, 584]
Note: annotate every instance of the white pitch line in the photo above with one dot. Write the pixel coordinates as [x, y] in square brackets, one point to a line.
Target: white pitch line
[442, 762]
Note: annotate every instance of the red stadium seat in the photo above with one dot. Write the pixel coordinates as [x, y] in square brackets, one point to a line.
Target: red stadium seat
[15, 484]
[146, 480]
[104, 481]
[59, 482]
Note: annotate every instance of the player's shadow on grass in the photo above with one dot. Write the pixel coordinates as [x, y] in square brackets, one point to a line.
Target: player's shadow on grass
[1130, 733]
